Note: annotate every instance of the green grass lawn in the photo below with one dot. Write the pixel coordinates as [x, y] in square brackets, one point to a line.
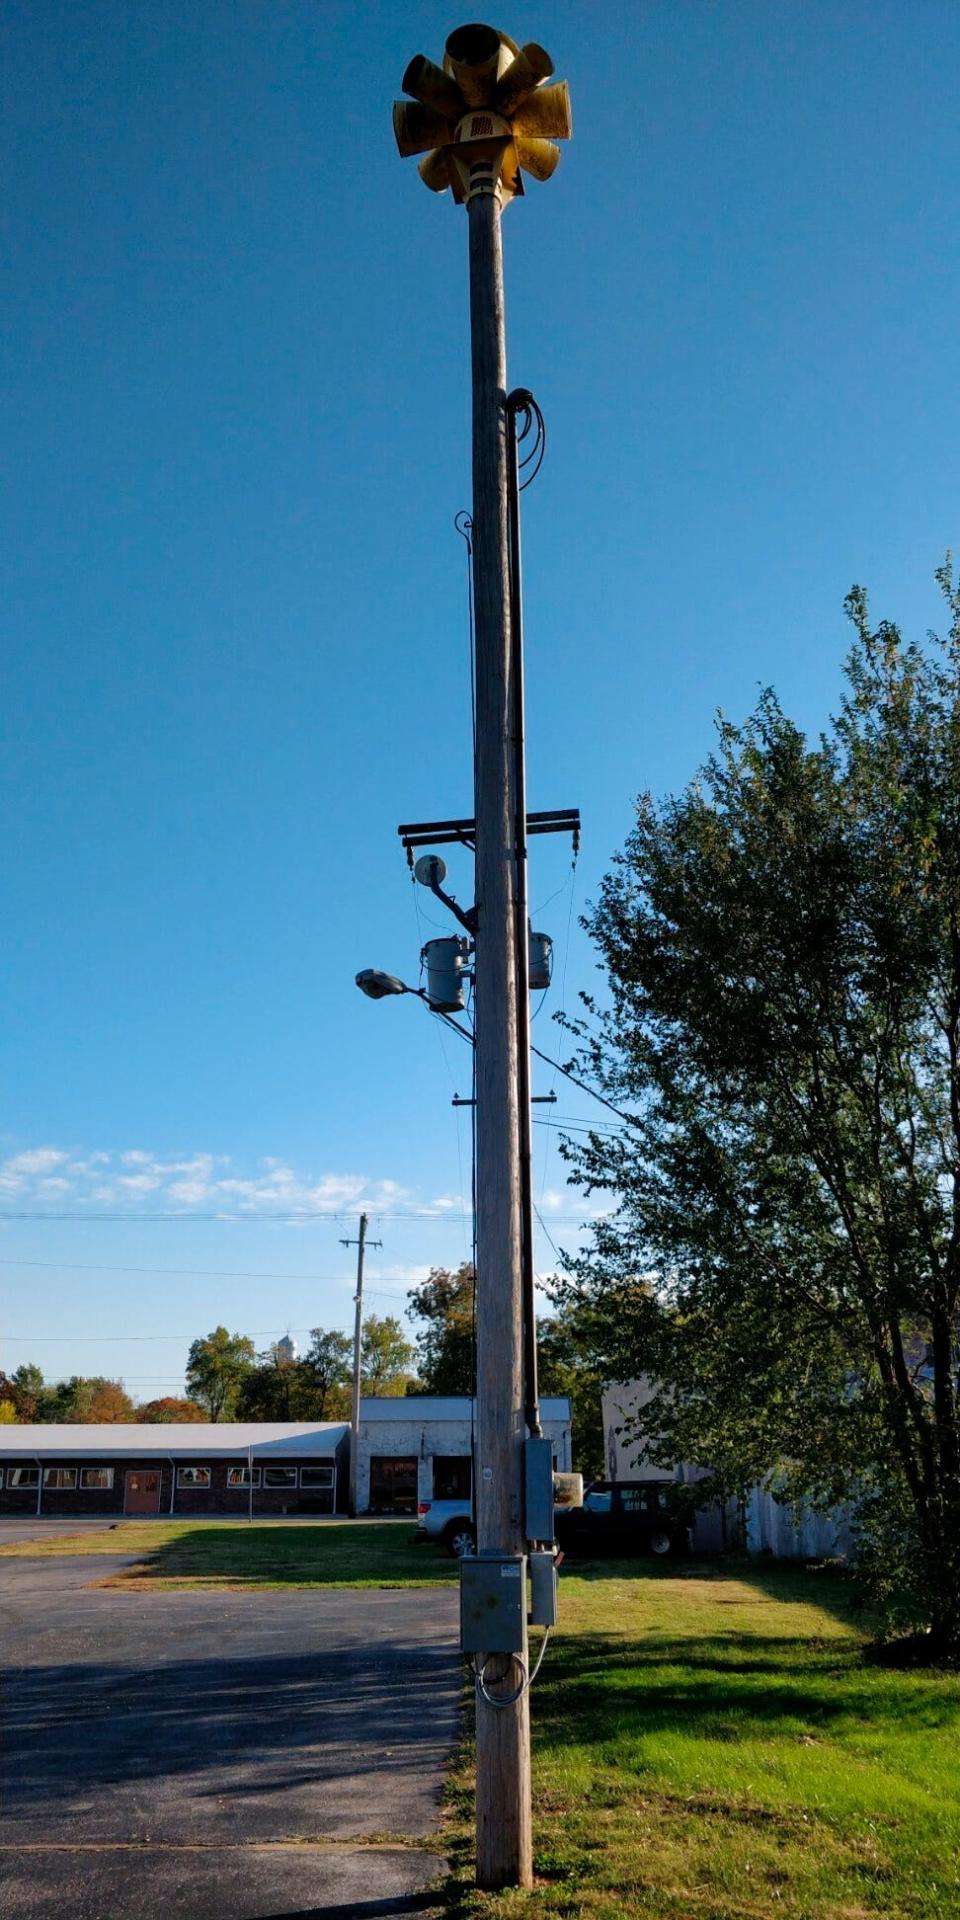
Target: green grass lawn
[709, 1747]
[708, 1742]
[181, 1554]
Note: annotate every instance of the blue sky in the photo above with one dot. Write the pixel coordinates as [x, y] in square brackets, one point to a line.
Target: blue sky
[237, 417]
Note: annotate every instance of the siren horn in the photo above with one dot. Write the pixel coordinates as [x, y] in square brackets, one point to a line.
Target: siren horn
[433, 88]
[531, 65]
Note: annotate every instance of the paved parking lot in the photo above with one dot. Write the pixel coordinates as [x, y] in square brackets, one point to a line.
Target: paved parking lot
[219, 1756]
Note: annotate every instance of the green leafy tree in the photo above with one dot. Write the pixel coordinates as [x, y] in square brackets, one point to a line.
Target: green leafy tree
[87, 1400]
[445, 1351]
[268, 1390]
[29, 1393]
[386, 1356]
[782, 1039]
[315, 1387]
[327, 1368]
[216, 1369]
[565, 1366]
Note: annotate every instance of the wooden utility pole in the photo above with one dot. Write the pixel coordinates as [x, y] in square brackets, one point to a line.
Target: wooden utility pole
[361, 1244]
[504, 1834]
[478, 121]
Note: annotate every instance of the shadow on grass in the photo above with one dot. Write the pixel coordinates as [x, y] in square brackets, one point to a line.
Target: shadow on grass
[332, 1555]
[815, 1585]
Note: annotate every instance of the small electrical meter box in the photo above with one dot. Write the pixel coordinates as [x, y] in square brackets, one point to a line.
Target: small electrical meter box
[568, 1489]
[538, 1475]
[539, 961]
[493, 1602]
[543, 1589]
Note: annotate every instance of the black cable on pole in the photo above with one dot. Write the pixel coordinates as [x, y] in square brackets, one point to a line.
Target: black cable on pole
[521, 405]
[464, 526]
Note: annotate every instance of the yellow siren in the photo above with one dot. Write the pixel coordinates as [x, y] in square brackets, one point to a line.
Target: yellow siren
[485, 117]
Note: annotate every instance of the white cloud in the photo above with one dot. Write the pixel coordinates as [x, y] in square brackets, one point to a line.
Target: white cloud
[125, 1177]
[21, 1167]
[448, 1203]
[414, 1275]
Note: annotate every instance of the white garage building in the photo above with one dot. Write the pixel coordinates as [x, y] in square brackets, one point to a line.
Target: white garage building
[421, 1448]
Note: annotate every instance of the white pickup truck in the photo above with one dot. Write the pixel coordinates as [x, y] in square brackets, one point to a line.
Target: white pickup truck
[449, 1521]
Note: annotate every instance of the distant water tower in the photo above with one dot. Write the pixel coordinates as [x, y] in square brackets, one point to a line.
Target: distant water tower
[287, 1348]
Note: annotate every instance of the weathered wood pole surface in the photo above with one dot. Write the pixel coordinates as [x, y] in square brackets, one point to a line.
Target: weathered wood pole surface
[504, 1854]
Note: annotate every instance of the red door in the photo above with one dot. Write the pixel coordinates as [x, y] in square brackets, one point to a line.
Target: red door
[142, 1492]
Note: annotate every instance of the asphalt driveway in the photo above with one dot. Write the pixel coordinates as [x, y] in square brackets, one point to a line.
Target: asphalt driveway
[219, 1756]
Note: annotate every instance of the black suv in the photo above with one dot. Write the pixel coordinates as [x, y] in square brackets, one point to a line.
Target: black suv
[624, 1516]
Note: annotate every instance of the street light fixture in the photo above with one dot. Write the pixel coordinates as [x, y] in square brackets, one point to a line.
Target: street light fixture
[377, 985]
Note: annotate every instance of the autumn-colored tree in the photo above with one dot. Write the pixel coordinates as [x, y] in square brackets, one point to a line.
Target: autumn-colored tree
[168, 1409]
[92, 1402]
[8, 1413]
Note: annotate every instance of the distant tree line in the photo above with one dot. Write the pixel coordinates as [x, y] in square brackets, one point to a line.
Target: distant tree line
[227, 1379]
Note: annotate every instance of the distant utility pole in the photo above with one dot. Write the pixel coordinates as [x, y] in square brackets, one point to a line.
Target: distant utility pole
[479, 120]
[361, 1243]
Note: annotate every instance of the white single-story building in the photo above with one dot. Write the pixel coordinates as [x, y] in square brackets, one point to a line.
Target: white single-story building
[421, 1448]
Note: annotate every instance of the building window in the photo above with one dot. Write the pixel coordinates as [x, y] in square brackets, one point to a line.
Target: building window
[193, 1476]
[240, 1477]
[451, 1477]
[24, 1477]
[316, 1476]
[279, 1476]
[393, 1483]
[64, 1478]
[96, 1477]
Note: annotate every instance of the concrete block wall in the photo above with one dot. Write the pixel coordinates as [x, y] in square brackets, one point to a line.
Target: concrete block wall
[423, 1439]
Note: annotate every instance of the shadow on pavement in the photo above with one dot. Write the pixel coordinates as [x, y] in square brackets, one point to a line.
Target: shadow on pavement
[364, 1909]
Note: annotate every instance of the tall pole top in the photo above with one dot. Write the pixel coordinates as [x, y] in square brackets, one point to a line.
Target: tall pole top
[483, 118]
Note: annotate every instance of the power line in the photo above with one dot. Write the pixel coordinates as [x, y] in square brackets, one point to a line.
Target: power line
[434, 1217]
[102, 1339]
[187, 1273]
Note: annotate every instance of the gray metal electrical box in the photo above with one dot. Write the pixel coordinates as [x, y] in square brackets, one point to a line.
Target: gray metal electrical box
[543, 1590]
[538, 1474]
[493, 1602]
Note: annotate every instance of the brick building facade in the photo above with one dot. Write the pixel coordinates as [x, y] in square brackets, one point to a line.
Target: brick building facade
[190, 1471]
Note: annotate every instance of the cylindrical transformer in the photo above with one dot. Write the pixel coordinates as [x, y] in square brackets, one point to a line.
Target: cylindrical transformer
[445, 961]
[540, 949]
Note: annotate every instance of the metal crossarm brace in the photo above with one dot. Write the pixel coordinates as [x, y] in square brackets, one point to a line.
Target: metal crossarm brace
[442, 833]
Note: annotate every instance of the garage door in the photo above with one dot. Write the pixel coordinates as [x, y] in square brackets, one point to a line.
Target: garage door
[393, 1483]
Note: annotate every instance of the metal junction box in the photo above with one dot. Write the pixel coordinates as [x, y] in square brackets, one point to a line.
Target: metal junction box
[493, 1603]
[538, 1489]
[543, 1590]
